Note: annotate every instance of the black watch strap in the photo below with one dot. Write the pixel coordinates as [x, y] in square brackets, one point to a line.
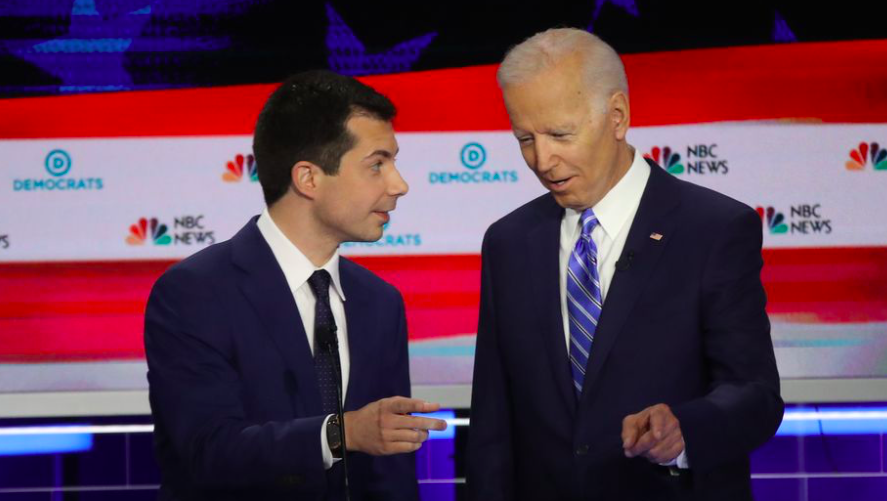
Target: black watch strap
[334, 435]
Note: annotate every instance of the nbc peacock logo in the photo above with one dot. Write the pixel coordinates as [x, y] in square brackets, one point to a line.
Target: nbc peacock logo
[668, 159]
[774, 220]
[146, 229]
[242, 164]
[865, 153]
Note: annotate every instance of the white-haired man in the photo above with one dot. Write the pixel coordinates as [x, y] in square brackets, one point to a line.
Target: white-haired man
[623, 350]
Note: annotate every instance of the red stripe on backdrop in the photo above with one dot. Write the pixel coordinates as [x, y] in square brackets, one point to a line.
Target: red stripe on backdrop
[93, 311]
[828, 82]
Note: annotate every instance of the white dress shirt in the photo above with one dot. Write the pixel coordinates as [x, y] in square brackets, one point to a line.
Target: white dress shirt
[615, 213]
[298, 269]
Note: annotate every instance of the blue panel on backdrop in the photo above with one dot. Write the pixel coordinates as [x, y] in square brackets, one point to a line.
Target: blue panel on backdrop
[20, 445]
[802, 421]
[449, 433]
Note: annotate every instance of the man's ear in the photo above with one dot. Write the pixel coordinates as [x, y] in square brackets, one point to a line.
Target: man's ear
[304, 178]
[619, 114]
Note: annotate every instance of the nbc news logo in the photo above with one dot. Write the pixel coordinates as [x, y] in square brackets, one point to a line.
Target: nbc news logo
[806, 219]
[701, 159]
[242, 164]
[189, 230]
[862, 155]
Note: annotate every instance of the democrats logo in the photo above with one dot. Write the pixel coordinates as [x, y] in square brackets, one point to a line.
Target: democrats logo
[58, 162]
[389, 240]
[4, 242]
[699, 159]
[865, 154]
[58, 165]
[240, 166]
[186, 230]
[473, 157]
[804, 219]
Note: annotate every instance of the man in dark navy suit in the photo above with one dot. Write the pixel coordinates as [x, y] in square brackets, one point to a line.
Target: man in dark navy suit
[623, 349]
[242, 385]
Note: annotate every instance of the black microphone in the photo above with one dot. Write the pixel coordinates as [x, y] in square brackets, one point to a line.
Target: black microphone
[329, 341]
[624, 262]
[326, 336]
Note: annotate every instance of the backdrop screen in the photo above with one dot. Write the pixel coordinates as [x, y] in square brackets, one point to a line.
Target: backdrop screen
[100, 193]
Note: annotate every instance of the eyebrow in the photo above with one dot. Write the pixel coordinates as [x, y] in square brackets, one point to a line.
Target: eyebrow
[383, 153]
[562, 128]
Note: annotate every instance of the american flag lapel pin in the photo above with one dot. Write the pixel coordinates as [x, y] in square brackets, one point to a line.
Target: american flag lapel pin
[656, 236]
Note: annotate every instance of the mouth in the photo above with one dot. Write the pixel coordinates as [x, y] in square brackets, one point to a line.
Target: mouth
[383, 215]
[558, 185]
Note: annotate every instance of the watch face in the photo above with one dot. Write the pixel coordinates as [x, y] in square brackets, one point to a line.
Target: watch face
[333, 434]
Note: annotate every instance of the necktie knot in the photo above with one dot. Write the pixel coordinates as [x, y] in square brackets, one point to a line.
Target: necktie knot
[319, 282]
[589, 221]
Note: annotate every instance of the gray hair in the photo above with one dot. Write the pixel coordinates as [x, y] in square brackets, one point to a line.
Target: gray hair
[604, 73]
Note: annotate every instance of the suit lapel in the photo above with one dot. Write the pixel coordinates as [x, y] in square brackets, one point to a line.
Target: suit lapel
[660, 197]
[265, 287]
[360, 344]
[544, 268]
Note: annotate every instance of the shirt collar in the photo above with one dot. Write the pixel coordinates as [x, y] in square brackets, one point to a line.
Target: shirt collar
[617, 206]
[295, 265]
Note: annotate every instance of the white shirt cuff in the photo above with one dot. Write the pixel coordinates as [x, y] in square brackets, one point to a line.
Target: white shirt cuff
[680, 461]
[326, 453]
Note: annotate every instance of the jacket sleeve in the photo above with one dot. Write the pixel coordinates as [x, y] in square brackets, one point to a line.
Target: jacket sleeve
[197, 398]
[394, 477]
[490, 466]
[743, 407]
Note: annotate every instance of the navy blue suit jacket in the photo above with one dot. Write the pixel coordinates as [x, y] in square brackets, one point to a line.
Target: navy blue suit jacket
[683, 325]
[232, 383]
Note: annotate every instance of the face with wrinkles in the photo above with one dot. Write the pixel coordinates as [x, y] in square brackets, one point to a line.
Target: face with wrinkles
[576, 151]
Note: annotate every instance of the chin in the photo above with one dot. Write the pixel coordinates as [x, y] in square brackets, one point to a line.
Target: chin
[368, 236]
[564, 200]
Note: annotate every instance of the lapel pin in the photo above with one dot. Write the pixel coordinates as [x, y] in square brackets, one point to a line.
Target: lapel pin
[656, 236]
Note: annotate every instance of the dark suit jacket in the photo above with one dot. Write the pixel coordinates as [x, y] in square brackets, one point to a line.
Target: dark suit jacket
[232, 383]
[684, 325]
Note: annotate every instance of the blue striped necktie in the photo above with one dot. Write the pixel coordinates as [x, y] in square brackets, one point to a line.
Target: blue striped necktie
[583, 299]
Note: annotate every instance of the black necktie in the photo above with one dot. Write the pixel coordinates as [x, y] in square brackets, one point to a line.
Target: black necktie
[324, 323]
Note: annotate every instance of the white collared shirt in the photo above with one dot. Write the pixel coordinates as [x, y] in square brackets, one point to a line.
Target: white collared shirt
[615, 213]
[297, 269]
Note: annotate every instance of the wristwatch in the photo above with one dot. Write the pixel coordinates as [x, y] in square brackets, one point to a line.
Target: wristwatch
[334, 435]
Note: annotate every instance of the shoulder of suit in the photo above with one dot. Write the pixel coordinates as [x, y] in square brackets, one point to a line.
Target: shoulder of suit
[365, 278]
[205, 265]
[532, 211]
[708, 204]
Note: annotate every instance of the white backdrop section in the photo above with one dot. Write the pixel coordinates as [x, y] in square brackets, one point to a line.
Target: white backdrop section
[76, 199]
[162, 178]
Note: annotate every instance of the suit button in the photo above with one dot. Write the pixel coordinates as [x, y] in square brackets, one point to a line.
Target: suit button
[582, 450]
[291, 480]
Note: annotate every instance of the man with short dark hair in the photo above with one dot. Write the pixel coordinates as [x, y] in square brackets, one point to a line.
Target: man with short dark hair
[243, 396]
